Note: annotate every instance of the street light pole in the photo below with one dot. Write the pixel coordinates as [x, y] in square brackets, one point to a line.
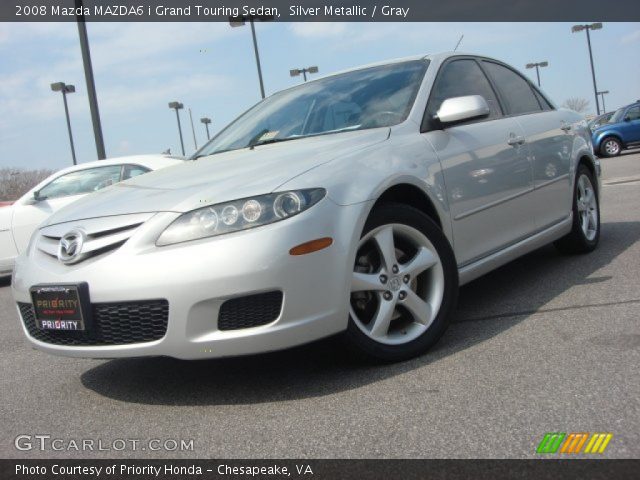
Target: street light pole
[178, 106]
[239, 22]
[602, 94]
[193, 130]
[91, 86]
[297, 71]
[593, 72]
[206, 122]
[593, 26]
[255, 49]
[537, 66]
[62, 87]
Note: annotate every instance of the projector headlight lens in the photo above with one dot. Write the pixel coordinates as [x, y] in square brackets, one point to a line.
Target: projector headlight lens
[287, 204]
[251, 211]
[239, 215]
[229, 215]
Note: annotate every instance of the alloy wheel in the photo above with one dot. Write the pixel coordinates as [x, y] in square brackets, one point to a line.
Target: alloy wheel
[587, 207]
[611, 147]
[397, 285]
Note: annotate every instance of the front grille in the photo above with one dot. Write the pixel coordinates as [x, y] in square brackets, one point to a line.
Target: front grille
[250, 311]
[101, 235]
[113, 324]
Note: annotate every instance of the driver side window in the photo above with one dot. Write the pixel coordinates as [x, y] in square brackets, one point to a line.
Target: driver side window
[633, 113]
[81, 182]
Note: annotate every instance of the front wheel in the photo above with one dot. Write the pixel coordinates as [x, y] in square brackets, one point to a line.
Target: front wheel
[585, 231]
[404, 285]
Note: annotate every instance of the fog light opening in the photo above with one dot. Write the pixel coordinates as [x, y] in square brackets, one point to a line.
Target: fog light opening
[312, 246]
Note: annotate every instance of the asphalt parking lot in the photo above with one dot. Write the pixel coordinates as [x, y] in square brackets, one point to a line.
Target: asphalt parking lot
[547, 343]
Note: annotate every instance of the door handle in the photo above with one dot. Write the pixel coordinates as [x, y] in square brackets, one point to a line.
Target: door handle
[515, 140]
[565, 127]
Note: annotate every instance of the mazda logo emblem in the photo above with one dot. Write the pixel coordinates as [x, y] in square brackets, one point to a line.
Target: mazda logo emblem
[70, 247]
[395, 283]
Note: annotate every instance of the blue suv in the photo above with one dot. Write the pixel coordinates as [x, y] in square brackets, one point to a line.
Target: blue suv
[622, 131]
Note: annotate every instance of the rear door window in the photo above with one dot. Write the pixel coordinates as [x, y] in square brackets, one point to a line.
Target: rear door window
[514, 89]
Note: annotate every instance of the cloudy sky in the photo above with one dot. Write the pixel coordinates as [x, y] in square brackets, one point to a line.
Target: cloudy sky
[210, 68]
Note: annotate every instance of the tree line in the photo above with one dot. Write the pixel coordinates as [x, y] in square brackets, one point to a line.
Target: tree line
[15, 182]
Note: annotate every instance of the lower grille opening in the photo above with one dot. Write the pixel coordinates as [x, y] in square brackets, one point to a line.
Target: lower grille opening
[250, 311]
[113, 324]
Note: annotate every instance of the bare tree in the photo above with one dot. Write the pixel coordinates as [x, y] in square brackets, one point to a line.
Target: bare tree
[15, 182]
[576, 104]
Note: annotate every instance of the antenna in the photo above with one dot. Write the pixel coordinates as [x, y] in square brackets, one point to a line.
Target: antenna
[459, 42]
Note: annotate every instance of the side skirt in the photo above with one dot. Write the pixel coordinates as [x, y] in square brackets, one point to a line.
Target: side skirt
[484, 265]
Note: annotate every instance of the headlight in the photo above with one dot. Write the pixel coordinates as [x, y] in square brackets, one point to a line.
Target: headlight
[239, 215]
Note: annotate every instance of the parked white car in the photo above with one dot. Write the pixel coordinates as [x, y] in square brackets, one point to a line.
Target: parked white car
[18, 221]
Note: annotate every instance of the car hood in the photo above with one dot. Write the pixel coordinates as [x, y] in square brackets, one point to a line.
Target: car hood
[218, 178]
[604, 126]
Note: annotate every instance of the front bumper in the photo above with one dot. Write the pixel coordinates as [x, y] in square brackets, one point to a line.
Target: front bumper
[197, 277]
[6, 266]
[8, 251]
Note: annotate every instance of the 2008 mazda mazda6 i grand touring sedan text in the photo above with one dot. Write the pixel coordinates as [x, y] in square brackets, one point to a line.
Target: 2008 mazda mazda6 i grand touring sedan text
[352, 204]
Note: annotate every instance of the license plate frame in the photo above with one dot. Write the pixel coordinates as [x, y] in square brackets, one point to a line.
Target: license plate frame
[62, 307]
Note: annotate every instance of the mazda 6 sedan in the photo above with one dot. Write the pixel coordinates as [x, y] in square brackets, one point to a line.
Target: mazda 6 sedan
[355, 204]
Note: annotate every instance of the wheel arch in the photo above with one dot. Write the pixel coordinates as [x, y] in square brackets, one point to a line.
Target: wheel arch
[603, 136]
[589, 163]
[413, 196]
[594, 167]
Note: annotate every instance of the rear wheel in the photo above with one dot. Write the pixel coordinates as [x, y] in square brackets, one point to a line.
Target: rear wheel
[404, 285]
[585, 232]
[610, 147]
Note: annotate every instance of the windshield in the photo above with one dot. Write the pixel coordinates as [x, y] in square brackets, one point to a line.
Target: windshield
[600, 120]
[373, 97]
[617, 117]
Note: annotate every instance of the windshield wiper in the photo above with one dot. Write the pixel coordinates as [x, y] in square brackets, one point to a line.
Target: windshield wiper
[271, 140]
[254, 142]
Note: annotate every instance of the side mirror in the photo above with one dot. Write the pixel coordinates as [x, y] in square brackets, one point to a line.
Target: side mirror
[627, 119]
[37, 197]
[459, 109]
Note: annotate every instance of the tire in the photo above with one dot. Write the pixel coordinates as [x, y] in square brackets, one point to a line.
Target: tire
[610, 147]
[585, 231]
[400, 302]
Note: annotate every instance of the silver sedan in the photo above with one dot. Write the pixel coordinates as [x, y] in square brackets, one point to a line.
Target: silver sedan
[355, 204]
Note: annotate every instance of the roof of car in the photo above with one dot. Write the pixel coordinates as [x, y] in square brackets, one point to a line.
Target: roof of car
[132, 159]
